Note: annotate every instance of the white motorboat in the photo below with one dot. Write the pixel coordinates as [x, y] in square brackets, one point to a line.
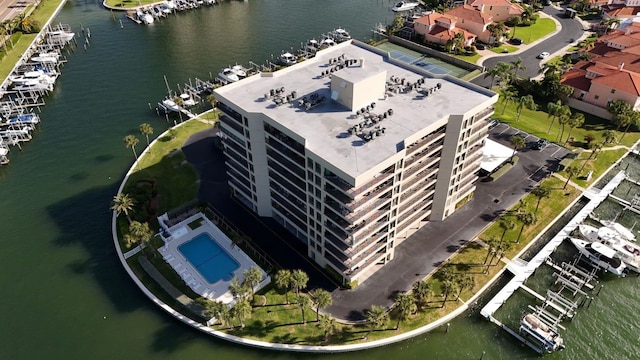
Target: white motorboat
[22, 132]
[327, 42]
[187, 100]
[340, 35]
[625, 250]
[60, 36]
[45, 58]
[32, 75]
[145, 17]
[312, 46]
[544, 334]
[405, 6]
[170, 105]
[240, 71]
[170, 4]
[228, 75]
[600, 255]
[620, 229]
[33, 85]
[287, 59]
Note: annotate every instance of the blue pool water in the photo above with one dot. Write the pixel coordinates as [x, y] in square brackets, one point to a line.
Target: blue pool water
[211, 261]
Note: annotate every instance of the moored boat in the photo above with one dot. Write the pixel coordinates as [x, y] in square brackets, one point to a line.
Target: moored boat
[228, 75]
[543, 334]
[287, 59]
[340, 35]
[620, 229]
[187, 100]
[240, 71]
[404, 6]
[600, 255]
[625, 250]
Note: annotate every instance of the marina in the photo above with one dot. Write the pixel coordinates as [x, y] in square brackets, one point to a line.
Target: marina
[31, 80]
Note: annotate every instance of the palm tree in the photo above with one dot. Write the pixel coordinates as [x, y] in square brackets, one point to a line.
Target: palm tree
[608, 136]
[505, 70]
[241, 310]
[497, 31]
[448, 286]
[252, 278]
[465, 282]
[541, 191]
[377, 317]
[405, 305]
[299, 280]
[506, 224]
[123, 204]
[458, 41]
[216, 309]
[238, 289]
[576, 120]
[327, 325]
[283, 282]
[131, 141]
[499, 251]
[493, 72]
[146, 130]
[633, 119]
[140, 232]
[490, 250]
[517, 65]
[525, 102]
[303, 302]
[517, 141]
[588, 43]
[508, 96]
[595, 147]
[571, 172]
[321, 299]
[553, 110]
[421, 291]
[211, 98]
[526, 218]
[563, 119]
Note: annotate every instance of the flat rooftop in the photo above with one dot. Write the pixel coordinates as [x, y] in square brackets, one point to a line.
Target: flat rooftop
[324, 127]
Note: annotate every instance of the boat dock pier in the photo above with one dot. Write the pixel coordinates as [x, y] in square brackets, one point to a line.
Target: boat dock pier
[570, 276]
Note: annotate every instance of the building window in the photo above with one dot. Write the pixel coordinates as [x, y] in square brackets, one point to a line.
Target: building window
[613, 91]
[596, 97]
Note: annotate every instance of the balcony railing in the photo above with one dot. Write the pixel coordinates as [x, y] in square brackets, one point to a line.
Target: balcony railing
[353, 191]
[484, 113]
[286, 151]
[411, 220]
[431, 152]
[381, 244]
[375, 258]
[286, 162]
[338, 219]
[361, 246]
[284, 139]
[418, 144]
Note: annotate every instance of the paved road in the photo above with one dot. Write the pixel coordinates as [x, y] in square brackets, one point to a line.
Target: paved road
[414, 258]
[571, 29]
[11, 8]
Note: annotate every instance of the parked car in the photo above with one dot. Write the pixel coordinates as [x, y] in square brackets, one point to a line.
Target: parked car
[543, 55]
[516, 41]
[480, 46]
[493, 123]
[540, 144]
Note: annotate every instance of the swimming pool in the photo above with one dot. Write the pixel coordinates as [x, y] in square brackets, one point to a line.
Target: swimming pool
[211, 261]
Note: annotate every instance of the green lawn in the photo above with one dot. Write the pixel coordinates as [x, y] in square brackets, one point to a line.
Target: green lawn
[602, 161]
[504, 48]
[529, 34]
[536, 122]
[549, 208]
[472, 58]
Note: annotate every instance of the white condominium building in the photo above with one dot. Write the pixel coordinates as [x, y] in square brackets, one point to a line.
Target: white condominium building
[353, 151]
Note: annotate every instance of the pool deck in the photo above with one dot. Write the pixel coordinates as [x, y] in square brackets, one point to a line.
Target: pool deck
[180, 233]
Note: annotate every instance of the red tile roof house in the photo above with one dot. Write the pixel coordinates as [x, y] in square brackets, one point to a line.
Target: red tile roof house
[439, 28]
[499, 10]
[609, 75]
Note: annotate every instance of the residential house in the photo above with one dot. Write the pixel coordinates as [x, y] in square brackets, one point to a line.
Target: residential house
[612, 73]
[499, 10]
[439, 28]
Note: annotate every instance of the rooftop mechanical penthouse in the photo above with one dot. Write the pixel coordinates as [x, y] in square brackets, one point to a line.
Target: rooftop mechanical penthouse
[352, 151]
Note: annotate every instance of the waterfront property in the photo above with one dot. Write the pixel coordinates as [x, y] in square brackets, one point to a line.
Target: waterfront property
[204, 257]
[353, 151]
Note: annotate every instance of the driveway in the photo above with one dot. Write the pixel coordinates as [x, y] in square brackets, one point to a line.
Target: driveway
[416, 257]
[571, 29]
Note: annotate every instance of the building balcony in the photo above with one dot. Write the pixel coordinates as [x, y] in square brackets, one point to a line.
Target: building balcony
[285, 151]
[424, 175]
[285, 139]
[413, 219]
[286, 162]
[231, 123]
[279, 169]
[336, 218]
[484, 113]
[431, 152]
[377, 256]
[424, 141]
[377, 246]
[287, 186]
[354, 250]
[352, 191]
